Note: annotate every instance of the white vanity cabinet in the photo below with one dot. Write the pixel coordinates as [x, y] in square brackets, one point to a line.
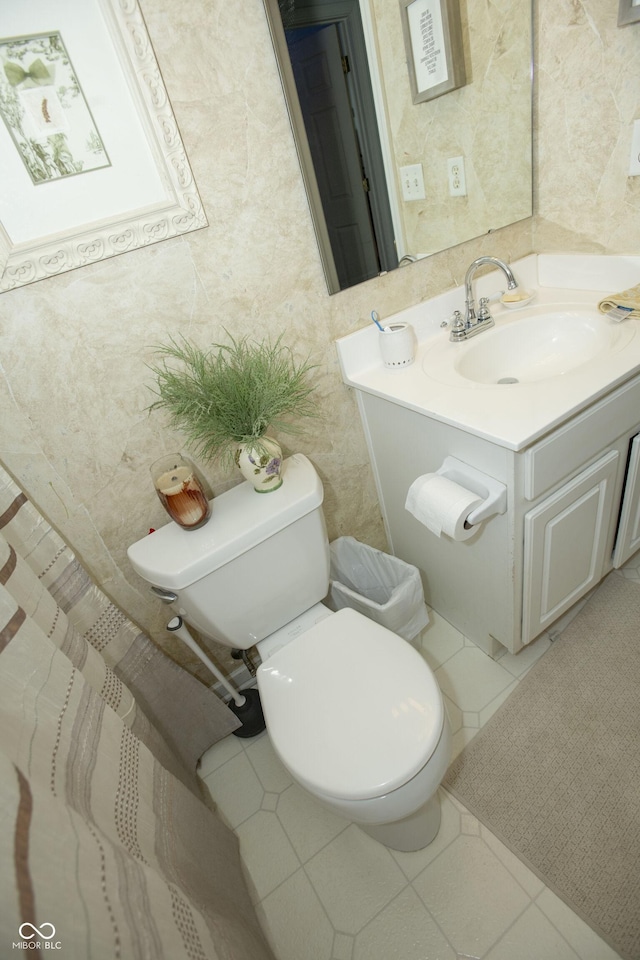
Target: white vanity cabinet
[566, 540]
[573, 514]
[547, 403]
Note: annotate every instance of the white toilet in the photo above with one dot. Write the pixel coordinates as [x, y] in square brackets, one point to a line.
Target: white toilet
[353, 711]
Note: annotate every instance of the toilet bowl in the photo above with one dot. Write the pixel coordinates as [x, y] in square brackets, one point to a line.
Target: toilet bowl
[356, 716]
[353, 711]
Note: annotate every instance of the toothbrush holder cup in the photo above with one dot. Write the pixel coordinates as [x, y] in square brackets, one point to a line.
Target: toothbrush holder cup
[397, 345]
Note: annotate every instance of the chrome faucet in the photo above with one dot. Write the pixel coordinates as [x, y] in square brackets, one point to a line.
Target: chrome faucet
[468, 326]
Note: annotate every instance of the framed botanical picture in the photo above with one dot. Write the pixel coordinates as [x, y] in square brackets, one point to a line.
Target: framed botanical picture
[92, 161]
[45, 111]
[628, 12]
[433, 42]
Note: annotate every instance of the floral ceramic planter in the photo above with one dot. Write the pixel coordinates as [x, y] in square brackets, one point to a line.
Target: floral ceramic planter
[260, 462]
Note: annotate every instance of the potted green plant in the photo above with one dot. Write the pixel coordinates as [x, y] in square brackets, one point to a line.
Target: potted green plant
[226, 397]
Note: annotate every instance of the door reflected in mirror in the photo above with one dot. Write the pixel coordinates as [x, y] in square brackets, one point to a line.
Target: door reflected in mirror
[390, 181]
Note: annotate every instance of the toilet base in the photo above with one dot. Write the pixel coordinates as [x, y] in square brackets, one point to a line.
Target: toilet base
[411, 833]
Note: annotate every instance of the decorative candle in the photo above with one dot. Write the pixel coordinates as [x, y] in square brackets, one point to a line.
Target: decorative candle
[181, 491]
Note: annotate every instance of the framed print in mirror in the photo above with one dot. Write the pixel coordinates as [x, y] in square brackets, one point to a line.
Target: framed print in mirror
[628, 12]
[92, 161]
[433, 43]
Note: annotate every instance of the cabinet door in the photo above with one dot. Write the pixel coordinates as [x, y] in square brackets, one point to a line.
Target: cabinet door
[565, 540]
[628, 539]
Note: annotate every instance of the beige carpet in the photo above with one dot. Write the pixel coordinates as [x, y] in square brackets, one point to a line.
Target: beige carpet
[555, 773]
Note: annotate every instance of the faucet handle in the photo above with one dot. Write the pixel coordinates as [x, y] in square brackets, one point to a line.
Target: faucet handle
[457, 326]
[483, 313]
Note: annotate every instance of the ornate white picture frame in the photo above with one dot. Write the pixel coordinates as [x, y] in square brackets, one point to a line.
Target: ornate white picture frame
[78, 211]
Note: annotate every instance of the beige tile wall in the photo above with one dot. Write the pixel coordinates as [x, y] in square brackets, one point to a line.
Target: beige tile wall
[588, 94]
[73, 390]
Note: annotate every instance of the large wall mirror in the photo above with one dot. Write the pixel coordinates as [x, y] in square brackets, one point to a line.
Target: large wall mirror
[391, 181]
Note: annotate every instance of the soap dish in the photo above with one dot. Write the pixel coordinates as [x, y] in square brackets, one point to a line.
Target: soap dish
[524, 299]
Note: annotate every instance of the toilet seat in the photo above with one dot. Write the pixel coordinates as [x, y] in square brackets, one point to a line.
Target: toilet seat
[353, 710]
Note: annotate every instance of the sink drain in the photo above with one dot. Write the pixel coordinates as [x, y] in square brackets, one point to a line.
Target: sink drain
[508, 380]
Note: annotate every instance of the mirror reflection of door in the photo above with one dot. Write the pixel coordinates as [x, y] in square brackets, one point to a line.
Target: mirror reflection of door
[326, 46]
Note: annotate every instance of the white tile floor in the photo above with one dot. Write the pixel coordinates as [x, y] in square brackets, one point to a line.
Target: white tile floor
[325, 891]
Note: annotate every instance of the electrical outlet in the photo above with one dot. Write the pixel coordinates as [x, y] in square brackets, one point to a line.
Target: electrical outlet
[457, 180]
[412, 182]
[634, 160]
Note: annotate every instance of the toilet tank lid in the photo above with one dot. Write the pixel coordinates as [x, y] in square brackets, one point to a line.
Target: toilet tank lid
[240, 519]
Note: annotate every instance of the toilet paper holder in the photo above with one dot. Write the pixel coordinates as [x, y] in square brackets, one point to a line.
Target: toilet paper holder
[493, 493]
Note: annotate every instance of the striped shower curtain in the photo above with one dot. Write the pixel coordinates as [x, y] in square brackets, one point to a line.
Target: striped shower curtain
[108, 847]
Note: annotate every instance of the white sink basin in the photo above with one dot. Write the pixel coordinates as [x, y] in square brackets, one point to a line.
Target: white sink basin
[563, 353]
[540, 343]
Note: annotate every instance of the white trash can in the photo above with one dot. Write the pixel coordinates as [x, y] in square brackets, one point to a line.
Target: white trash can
[380, 586]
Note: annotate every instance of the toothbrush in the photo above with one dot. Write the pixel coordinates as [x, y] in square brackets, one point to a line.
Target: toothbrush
[376, 320]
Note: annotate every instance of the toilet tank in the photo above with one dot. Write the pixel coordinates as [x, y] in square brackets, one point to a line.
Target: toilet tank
[260, 561]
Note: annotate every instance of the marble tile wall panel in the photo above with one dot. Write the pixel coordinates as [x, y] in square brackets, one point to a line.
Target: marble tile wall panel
[74, 385]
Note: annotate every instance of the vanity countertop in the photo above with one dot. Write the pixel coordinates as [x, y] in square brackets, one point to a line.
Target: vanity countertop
[512, 415]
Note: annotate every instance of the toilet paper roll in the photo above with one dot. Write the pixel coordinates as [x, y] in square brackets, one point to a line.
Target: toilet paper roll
[442, 505]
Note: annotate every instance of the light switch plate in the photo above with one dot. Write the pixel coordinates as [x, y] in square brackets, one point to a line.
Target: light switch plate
[412, 182]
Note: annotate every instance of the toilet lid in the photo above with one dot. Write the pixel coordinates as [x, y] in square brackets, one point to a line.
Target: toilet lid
[352, 709]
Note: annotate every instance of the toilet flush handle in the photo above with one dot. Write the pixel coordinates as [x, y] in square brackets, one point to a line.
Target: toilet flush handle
[165, 595]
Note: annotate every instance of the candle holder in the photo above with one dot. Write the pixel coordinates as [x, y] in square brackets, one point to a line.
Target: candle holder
[181, 490]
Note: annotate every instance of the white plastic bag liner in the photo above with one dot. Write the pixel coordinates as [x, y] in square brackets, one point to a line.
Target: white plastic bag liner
[381, 587]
